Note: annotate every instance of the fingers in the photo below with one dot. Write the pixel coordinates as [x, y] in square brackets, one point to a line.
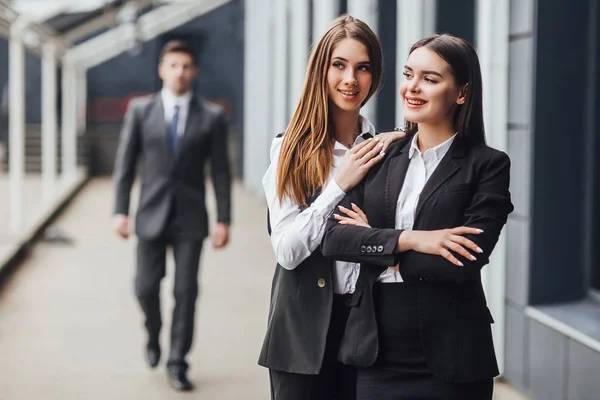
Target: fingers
[348, 212]
[463, 241]
[448, 256]
[359, 146]
[122, 229]
[351, 221]
[465, 230]
[359, 212]
[374, 160]
[219, 241]
[455, 247]
[369, 146]
[374, 152]
[385, 142]
[344, 220]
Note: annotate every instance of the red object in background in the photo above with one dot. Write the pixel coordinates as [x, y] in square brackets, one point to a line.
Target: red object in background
[111, 110]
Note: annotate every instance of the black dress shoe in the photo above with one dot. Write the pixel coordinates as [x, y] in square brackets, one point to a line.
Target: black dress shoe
[152, 356]
[178, 380]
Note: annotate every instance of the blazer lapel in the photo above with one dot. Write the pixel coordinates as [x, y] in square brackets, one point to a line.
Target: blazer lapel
[447, 167]
[394, 181]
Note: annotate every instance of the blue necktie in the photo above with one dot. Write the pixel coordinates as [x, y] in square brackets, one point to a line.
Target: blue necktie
[173, 134]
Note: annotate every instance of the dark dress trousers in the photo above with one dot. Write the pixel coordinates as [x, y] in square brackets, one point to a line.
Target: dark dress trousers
[171, 210]
[469, 187]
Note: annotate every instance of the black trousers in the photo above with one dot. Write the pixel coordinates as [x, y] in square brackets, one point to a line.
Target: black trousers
[151, 265]
[336, 381]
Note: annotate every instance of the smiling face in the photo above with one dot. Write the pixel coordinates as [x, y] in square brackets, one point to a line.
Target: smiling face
[429, 92]
[349, 75]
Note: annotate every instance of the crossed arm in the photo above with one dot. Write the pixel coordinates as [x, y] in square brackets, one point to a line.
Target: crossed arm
[437, 255]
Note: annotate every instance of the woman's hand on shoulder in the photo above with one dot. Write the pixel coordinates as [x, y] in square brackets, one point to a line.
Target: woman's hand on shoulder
[388, 138]
[357, 162]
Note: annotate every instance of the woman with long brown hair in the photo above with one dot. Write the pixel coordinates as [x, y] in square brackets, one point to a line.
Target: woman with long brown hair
[327, 148]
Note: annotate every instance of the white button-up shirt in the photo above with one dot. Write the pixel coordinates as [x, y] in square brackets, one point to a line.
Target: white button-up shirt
[170, 101]
[420, 169]
[296, 232]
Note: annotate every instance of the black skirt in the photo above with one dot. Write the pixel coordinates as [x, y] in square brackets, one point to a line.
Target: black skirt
[401, 371]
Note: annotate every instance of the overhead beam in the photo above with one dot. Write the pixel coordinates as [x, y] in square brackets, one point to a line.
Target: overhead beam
[150, 25]
[107, 19]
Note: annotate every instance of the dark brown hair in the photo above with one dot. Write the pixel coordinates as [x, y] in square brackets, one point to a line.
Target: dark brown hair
[464, 63]
[178, 46]
[306, 153]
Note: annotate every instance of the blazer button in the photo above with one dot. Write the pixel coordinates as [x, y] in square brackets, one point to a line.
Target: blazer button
[321, 282]
[369, 249]
[380, 248]
[363, 248]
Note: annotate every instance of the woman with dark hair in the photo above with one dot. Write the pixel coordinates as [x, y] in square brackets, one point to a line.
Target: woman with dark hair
[422, 224]
[327, 149]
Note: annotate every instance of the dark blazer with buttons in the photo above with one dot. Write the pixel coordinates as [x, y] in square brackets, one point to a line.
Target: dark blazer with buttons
[299, 316]
[169, 180]
[469, 187]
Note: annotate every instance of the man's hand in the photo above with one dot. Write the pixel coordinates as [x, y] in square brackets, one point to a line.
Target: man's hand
[121, 225]
[220, 236]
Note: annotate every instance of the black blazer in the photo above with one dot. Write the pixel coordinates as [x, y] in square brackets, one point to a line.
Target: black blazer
[469, 187]
[299, 316]
[168, 180]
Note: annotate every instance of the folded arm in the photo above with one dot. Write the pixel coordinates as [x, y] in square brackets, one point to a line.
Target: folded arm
[488, 211]
[357, 243]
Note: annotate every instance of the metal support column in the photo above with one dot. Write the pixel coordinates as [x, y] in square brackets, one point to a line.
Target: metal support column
[258, 89]
[416, 19]
[493, 23]
[280, 66]
[367, 11]
[49, 122]
[16, 97]
[68, 126]
[324, 12]
[299, 51]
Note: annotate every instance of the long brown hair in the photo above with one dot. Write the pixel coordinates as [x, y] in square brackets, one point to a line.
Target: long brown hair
[306, 153]
[463, 60]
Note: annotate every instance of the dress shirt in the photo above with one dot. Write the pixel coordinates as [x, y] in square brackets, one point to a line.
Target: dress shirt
[170, 101]
[420, 169]
[297, 232]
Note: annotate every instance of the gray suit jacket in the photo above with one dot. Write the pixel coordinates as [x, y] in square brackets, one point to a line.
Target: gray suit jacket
[168, 181]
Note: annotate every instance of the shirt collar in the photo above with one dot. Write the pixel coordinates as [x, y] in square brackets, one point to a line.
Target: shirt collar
[367, 131]
[169, 99]
[438, 151]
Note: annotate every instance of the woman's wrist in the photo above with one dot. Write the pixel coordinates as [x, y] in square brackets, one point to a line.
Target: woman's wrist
[404, 241]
